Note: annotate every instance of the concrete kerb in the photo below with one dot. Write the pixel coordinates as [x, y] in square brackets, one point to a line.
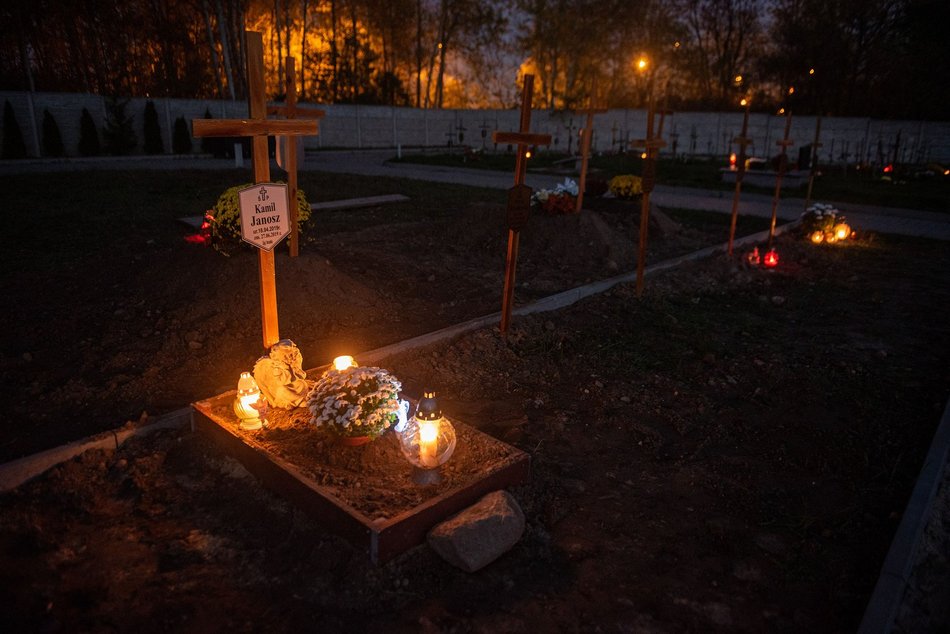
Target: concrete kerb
[15, 473]
[898, 566]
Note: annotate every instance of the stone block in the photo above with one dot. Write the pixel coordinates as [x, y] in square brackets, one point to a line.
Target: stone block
[480, 534]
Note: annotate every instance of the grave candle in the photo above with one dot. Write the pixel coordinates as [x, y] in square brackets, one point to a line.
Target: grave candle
[343, 362]
[248, 395]
[771, 258]
[429, 443]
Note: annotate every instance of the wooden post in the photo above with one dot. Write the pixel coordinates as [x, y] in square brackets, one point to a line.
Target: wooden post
[519, 196]
[651, 145]
[743, 140]
[258, 128]
[814, 159]
[585, 150]
[780, 173]
[292, 111]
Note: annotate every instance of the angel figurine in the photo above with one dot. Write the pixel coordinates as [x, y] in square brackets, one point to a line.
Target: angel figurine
[281, 377]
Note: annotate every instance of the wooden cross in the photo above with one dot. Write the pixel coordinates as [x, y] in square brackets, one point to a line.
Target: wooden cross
[780, 173]
[292, 111]
[258, 128]
[519, 196]
[651, 145]
[742, 140]
[814, 159]
[586, 135]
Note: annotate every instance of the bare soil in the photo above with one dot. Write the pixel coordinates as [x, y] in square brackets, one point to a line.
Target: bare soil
[732, 452]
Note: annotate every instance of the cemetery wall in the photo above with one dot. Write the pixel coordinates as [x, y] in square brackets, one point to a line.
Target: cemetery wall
[351, 126]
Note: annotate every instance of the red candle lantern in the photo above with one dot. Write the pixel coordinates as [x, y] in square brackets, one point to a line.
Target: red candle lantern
[753, 257]
[771, 259]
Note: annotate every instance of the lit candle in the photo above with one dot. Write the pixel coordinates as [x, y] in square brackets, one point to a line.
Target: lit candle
[343, 362]
[817, 237]
[248, 395]
[429, 443]
[771, 258]
[842, 231]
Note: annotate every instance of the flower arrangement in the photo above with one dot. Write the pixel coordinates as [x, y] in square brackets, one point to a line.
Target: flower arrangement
[824, 223]
[225, 218]
[560, 200]
[356, 401]
[626, 186]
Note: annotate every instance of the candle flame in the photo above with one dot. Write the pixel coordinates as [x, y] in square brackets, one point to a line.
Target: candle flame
[343, 362]
[428, 432]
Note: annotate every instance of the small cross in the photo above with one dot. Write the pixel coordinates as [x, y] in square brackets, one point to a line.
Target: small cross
[519, 196]
[292, 111]
[586, 135]
[651, 144]
[782, 166]
[743, 141]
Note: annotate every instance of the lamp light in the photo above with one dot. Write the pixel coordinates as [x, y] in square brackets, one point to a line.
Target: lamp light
[842, 231]
[428, 440]
[771, 259]
[248, 403]
[817, 237]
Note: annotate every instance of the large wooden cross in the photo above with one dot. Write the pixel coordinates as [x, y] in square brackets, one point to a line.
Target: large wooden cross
[519, 196]
[258, 128]
[651, 146]
[780, 173]
[586, 135]
[292, 111]
[742, 140]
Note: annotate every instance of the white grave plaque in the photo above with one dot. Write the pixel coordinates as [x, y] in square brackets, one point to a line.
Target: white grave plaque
[264, 217]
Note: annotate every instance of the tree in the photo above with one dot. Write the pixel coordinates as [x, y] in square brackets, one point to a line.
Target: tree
[118, 134]
[52, 139]
[153, 132]
[181, 137]
[725, 37]
[13, 146]
[88, 135]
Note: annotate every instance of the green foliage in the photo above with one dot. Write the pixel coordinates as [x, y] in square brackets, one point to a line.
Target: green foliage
[119, 134]
[52, 139]
[153, 132]
[181, 137]
[226, 218]
[88, 135]
[13, 146]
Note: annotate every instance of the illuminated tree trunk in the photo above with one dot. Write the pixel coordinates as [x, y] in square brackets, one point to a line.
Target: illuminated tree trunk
[280, 48]
[418, 53]
[225, 48]
[334, 55]
[303, 51]
[214, 49]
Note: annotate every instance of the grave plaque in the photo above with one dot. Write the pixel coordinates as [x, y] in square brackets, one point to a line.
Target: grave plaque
[519, 205]
[264, 214]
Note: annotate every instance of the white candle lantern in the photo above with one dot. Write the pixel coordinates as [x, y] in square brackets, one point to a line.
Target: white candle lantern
[428, 440]
[248, 402]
